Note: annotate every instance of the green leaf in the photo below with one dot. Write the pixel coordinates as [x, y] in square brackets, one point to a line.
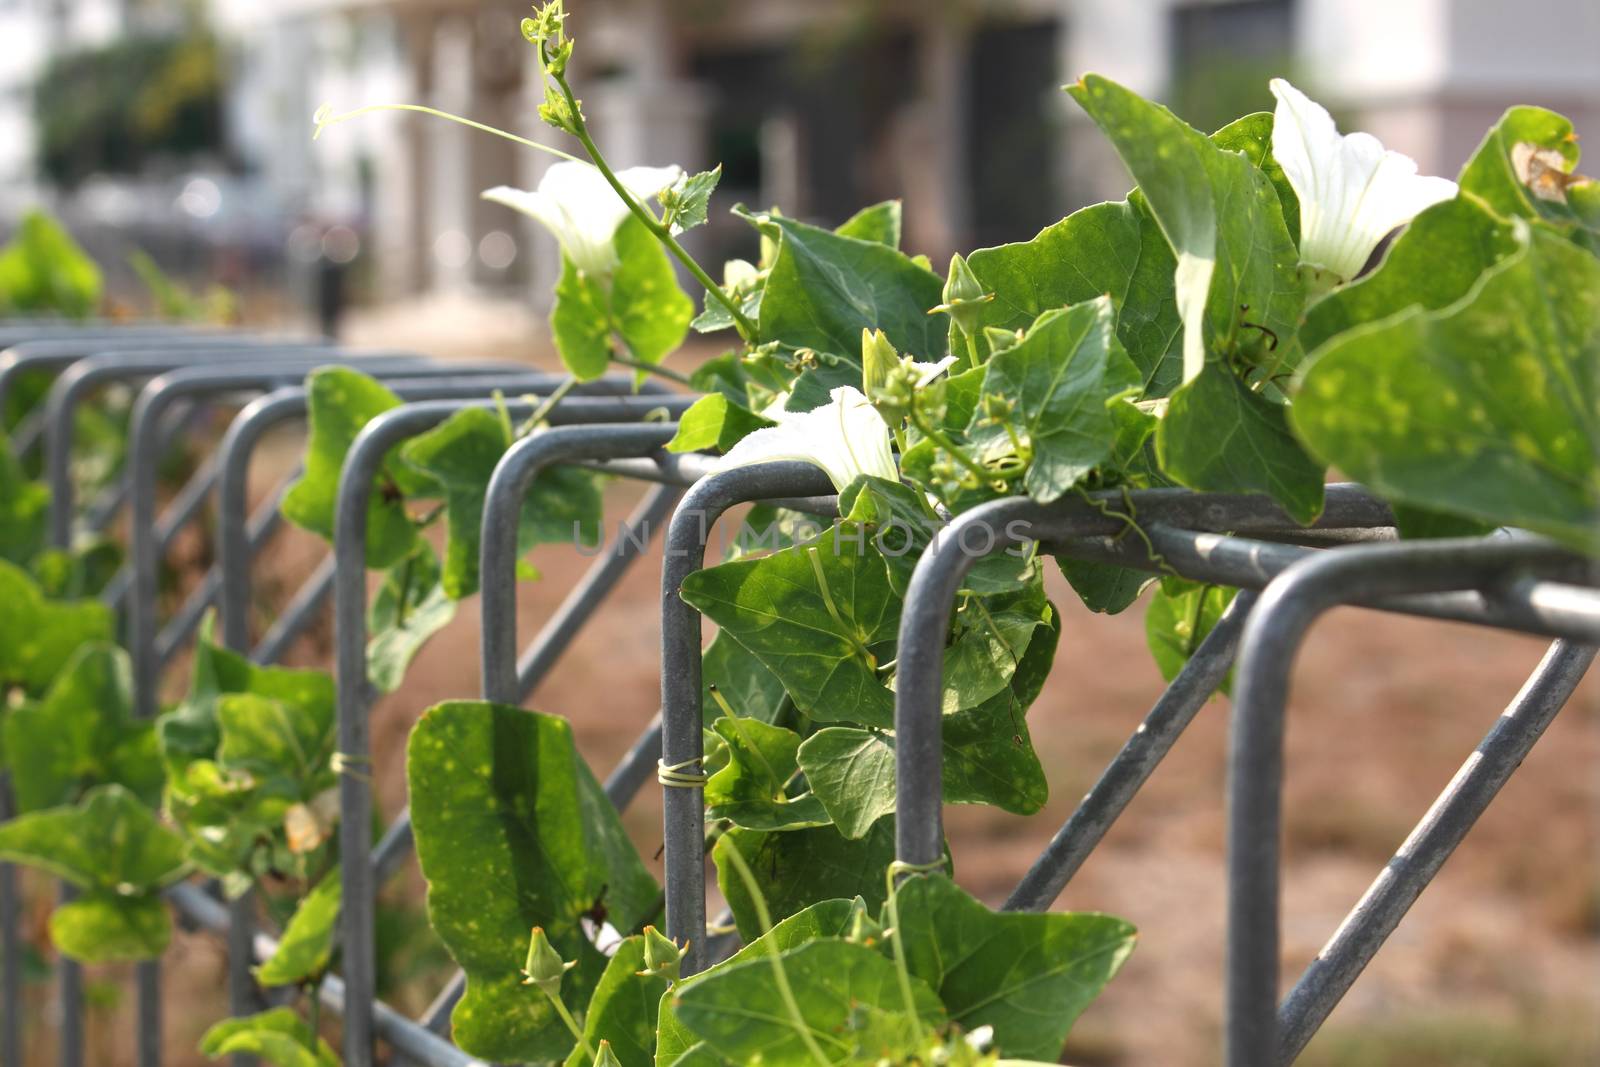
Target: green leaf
[339, 403]
[24, 510]
[460, 454]
[624, 1009]
[111, 928]
[1252, 135]
[1027, 975]
[1489, 408]
[1221, 436]
[751, 791]
[1181, 615]
[988, 759]
[191, 730]
[677, 1045]
[1113, 248]
[895, 518]
[777, 608]
[83, 734]
[849, 998]
[410, 607]
[824, 289]
[1517, 187]
[514, 832]
[1220, 213]
[879, 223]
[307, 942]
[39, 635]
[716, 422]
[686, 200]
[992, 634]
[278, 1036]
[743, 680]
[1436, 259]
[44, 271]
[286, 749]
[1103, 587]
[108, 843]
[1060, 376]
[797, 868]
[640, 304]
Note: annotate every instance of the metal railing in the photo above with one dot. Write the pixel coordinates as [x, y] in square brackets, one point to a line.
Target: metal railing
[1287, 575]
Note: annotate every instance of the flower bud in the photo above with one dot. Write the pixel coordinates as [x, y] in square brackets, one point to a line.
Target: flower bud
[863, 928]
[964, 295]
[661, 956]
[545, 966]
[878, 359]
[605, 1057]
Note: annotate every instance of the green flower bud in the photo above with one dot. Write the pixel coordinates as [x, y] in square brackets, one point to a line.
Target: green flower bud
[605, 1057]
[661, 956]
[964, 295]
[997, 408]
[878, 360]
[545, 966]
[863, 929]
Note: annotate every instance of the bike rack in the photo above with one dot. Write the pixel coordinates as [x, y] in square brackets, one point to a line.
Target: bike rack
[1287, 576]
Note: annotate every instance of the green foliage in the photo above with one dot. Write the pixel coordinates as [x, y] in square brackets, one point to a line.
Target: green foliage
[1488, 408]
[714, 421]
[340, 401]
[44, 272]
[110, 846]
[638, 313]
[81, 734]
[514, 832]
[563, 504]
[1181, 615]
[307, 942]
[39, 635]
[279, 1036]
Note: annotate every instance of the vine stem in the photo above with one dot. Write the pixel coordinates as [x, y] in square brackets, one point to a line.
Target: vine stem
[572, 1024]
[549, 403]
[938, 437]
[785, 991]
[651, 368]
[324, 118]
[897, 938]
[580, 130]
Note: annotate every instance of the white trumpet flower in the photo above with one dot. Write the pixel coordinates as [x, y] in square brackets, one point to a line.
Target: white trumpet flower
[578, 205]
[1352, 191]
[846, 437]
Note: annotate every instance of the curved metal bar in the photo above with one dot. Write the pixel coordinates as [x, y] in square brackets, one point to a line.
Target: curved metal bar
[1429, 844]
[1273, 634]
[681, 740]
[354, 692]
[1007, 524]
[83, 376]
[1132, 767]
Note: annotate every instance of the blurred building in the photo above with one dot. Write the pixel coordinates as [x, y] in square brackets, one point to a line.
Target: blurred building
[823, 106]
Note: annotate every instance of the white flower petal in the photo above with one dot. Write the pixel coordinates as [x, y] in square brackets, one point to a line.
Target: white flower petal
[1352, 192]
[846, 437]
[927, 372]
[576, 203]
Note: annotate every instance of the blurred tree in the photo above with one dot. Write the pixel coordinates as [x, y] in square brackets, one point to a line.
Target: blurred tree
[113, 109]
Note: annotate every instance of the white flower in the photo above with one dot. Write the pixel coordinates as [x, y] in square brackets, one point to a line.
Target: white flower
[578, 205]
[846, 437]
[1352, 192]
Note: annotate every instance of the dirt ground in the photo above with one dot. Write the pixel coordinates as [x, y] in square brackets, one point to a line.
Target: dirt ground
[1496, 965]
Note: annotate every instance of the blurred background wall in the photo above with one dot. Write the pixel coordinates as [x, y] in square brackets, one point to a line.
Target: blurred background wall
[184, 125]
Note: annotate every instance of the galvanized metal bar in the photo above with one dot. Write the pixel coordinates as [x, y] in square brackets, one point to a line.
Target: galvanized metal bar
[683, 815]
[69, 988]
[83, 376]
[1429, 844]
[1009, 524]
[302, 608]
[107, 503]
[1276, 628]
[1132, 767]
[354, 691]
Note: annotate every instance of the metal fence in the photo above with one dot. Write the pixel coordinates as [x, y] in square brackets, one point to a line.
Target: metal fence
[1288, 577]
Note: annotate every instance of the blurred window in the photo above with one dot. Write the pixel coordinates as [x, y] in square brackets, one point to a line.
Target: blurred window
[1223, 55]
